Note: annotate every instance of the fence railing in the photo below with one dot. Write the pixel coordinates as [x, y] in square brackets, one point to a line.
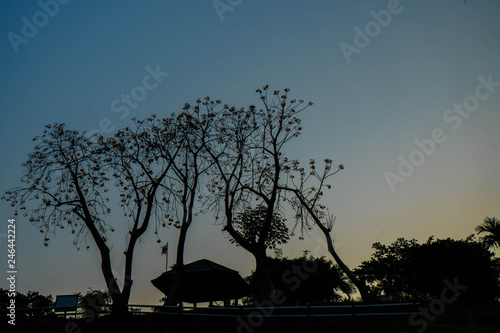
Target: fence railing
[341, 310]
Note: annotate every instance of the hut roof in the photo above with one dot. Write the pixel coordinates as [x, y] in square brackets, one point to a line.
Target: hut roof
[204, 281]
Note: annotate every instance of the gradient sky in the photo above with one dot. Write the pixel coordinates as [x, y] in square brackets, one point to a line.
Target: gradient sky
[366, 113]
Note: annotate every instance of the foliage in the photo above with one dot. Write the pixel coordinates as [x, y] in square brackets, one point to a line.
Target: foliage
[307, 280]
[250, 224]
[491, 226]
[406, 269]
[94, 302]
[30, 300]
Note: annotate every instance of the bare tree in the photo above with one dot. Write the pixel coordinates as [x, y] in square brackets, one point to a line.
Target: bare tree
[142, 175]
[247, 148]
[67, 176]
[189, 165]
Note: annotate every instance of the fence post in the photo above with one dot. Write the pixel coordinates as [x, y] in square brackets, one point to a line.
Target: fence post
[179, 309]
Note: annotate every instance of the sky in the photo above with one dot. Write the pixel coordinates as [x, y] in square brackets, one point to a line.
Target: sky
[406, 96]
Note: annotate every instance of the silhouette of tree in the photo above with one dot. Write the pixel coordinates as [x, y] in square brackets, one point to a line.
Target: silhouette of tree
[94, 302]
[246, 148]
[322, 283]
[491, 225]
[67, 176]
[189, 165]
[141, 174]
[35, 300]
[308, 188]
[30, 300]
[408, 270]
[385, 271]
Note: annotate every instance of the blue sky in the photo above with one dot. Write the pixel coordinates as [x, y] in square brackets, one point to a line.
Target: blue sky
[366, 113]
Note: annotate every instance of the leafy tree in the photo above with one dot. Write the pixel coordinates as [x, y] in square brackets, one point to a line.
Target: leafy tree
[95, 302]
[322, 282]
[491, 226]
[35, 300]
[250, 224]
[386, 271]
[406, 270]
[30, 300]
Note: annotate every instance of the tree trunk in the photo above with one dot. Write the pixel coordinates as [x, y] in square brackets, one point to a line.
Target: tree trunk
[175, 288]
[127, 281]
[119, 306]
[364, 290]
[263, 286]
[361, 285]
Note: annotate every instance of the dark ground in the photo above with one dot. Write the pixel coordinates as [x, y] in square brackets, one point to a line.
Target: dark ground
[455, 318]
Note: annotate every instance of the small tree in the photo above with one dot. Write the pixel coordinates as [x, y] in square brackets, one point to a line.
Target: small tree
[324, 284]
[385, 270]
[30, 300]
[95, 302]
[35, 300]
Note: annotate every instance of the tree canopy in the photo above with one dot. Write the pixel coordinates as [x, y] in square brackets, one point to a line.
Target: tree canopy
[250, 223]
[30, 300]
[308, 280]
[406, 269]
